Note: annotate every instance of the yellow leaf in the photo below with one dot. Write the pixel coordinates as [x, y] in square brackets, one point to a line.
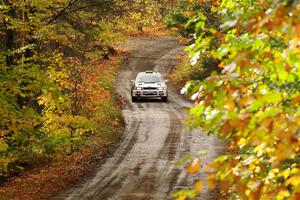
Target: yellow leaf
[278, 59]
[282, 195]
[285, 173]
[3, 146]
[194, 166]
[181, 198]
[198, 186]
[295, 180]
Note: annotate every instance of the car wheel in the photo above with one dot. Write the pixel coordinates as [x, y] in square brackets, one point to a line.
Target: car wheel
[133, 99]
[165, 99]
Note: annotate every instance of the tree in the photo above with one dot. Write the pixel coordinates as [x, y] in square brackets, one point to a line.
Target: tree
[41, 112]
[50, 98]
[254, 103]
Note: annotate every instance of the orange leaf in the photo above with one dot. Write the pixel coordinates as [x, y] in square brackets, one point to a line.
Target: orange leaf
[244, 89]
[287, 67]
[226, 128]
[221, 65]
[231, 106]
[295, 100]
[198, 186]
[298, 29]
[211, 181]
[208, 99]
[219, 34]
[194, 166]
[244, 101]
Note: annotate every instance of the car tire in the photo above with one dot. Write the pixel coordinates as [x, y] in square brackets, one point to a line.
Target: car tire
[134, 99]
[165, 99]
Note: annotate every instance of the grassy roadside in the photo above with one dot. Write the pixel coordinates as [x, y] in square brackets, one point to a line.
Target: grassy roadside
[157, 31]
[180, 73]
[185, 71]
[42, 181]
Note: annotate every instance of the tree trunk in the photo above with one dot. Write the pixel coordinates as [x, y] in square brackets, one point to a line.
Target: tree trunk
[10, 36]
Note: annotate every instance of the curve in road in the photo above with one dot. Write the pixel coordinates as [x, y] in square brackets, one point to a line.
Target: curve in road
[142, 167]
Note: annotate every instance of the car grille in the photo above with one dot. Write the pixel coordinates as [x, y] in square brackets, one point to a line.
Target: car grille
[149, 88]
[149, 93]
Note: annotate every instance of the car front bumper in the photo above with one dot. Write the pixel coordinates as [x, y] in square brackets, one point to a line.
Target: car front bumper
[149, 93]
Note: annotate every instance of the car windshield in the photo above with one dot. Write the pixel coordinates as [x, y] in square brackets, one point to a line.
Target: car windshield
[149, 78]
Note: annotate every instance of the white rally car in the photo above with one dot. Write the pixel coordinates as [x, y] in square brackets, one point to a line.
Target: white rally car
[149, 84]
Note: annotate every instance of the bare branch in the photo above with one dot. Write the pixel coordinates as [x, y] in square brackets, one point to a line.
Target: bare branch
[87, 6]
[55, 17]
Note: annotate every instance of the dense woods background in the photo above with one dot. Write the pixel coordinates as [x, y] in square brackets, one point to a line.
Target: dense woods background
[54, 94]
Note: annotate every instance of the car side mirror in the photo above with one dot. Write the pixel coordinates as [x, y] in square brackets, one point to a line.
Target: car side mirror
[166, 81]
[132, 82]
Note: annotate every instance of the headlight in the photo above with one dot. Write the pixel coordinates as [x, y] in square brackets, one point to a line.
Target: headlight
[137, 88]
[162, 88]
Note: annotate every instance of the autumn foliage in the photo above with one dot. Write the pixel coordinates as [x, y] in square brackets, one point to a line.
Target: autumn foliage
[56, 84]
[54, 93]
[254, 102]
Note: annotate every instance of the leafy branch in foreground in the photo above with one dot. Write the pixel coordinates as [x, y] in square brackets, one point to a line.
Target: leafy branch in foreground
[254, 103]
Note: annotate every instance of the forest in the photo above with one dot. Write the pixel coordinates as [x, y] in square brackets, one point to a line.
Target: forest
[52, 98]
[59, 62]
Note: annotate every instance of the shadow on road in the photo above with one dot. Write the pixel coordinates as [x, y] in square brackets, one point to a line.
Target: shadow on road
[150, 101]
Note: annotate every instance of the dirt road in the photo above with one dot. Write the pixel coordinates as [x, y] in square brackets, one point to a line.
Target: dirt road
[155, 136]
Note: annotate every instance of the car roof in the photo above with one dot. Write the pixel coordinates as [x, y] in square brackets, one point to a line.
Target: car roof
[149, 73]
